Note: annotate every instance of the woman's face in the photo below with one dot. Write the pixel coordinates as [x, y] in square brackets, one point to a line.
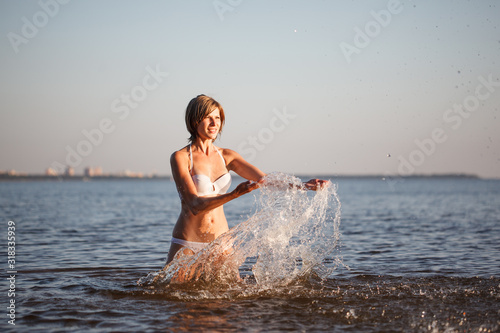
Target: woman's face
[209, 127]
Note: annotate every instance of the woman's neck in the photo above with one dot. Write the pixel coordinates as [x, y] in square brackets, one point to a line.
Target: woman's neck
[205, 146]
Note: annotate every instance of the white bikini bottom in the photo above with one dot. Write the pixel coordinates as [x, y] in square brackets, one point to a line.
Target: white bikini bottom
[193, 246]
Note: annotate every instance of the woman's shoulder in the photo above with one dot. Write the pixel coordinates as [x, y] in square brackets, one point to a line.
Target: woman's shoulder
[226, 151]
[229, 154]
[180, 154]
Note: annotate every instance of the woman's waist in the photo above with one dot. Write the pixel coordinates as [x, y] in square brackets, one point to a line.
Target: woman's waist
[216, 213]
[198, 237]
[200, 229]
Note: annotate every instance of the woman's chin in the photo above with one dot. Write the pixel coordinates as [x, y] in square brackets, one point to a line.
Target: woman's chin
[208, 136]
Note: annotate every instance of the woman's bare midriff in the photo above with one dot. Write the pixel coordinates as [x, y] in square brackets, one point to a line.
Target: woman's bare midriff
[203, 227]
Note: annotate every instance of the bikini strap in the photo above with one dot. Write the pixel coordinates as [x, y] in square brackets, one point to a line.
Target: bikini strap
[223, 160]
[191, 157]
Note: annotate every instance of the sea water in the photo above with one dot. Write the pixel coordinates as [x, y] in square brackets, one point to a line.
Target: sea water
[409, 255]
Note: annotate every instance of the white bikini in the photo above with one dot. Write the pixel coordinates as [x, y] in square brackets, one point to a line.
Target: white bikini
[205, 186]
[193, 246]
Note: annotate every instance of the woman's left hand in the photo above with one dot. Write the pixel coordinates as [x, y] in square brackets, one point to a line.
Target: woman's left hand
[316, 184]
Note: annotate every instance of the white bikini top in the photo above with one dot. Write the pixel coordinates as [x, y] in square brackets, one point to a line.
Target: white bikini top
[204, 184]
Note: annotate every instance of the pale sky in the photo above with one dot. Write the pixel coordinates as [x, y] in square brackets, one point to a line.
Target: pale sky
[308, 87]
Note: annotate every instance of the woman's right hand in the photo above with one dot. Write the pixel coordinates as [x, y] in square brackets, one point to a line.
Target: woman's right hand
[246, 187]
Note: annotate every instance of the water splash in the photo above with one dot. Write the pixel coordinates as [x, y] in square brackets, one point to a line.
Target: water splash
[288, 238]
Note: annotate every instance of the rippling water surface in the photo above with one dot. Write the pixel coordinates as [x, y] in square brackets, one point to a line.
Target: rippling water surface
[417, 255]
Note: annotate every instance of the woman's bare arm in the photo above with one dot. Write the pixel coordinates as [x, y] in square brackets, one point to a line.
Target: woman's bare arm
[249, 171]
[239, 165]
[187, 190]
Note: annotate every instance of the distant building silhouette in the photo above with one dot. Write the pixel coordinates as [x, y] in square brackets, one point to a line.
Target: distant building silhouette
[98, 171]
[69, 171]
[50, 172]
[131, 174]
[88, 172]
[92, 172]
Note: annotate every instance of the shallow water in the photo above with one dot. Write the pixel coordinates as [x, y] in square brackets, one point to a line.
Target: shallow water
[420, 255]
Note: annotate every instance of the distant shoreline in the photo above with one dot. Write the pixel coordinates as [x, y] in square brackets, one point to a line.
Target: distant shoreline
[6, 177]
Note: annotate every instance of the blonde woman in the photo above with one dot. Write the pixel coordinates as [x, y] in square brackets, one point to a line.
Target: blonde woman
[201, 174]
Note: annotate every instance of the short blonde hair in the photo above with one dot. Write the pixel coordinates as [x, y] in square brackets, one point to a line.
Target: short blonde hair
[197, 110]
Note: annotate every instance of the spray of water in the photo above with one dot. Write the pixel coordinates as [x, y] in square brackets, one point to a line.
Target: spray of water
[289, 237]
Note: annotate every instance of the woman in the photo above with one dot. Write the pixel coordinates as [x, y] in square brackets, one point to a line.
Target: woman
[201, 174]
